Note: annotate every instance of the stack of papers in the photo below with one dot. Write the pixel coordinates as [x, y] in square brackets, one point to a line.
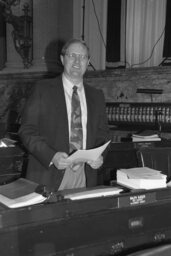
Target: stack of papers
[141, 178]
[139, 138]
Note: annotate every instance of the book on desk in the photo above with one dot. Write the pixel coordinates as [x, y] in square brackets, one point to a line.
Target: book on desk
[23, 192]
[20, 193]
[141, 178]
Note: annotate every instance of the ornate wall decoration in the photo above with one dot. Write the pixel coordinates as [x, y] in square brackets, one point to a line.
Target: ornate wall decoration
[18, 13]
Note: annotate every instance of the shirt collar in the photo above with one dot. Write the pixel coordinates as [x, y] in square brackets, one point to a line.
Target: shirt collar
[68, 85]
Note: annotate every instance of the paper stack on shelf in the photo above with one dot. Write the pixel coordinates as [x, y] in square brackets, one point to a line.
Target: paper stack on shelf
[7, 142]
[139, 138]
[141, 178]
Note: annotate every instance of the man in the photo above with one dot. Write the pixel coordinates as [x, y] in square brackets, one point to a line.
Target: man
[46, 124]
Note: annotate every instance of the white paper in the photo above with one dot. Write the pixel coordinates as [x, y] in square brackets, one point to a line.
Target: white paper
[138, 138]
[19, 193]
[145, 136]
[83, 155]
[30, 199]
[98, 192]
[141, 178]
[142, 172]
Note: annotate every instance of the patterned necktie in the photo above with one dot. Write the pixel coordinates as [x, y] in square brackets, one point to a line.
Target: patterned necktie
[76, 138]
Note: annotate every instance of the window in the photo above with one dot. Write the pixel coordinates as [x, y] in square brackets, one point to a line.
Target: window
[167, 40]
[136, 32]
[115, 50]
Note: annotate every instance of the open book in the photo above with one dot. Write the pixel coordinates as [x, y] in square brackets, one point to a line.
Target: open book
[141, 178]
[20, 193]
[83, 155]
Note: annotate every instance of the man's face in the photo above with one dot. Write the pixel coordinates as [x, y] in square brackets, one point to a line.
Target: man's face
[75, 61]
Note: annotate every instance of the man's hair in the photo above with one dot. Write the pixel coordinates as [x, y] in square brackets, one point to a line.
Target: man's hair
[73, 41]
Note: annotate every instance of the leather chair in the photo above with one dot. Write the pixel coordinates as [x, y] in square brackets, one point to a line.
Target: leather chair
[158, 158]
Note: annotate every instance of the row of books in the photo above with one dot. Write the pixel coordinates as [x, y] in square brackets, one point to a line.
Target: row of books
[141, 114]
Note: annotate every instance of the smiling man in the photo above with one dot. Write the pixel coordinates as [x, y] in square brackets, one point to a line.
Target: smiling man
[62, 115]
[75, 59]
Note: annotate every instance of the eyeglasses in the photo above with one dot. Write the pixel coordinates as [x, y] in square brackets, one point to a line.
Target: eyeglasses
[73, 56]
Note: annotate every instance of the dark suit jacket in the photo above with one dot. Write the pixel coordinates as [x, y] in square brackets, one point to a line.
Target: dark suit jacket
[44, 130]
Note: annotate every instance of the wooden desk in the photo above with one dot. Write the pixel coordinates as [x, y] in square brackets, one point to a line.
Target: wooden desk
[113, 225]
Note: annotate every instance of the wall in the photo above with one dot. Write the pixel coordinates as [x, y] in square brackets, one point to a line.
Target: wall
[14, 90]
[52, 26]
[118, 86]
[121, 85]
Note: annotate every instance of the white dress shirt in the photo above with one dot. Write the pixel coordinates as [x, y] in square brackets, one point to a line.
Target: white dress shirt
[75, 179]
[68, 85]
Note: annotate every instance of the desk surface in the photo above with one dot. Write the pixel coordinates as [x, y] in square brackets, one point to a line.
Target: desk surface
[100, 226]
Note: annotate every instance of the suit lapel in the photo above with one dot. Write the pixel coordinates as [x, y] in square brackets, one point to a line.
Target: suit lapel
[90, 116]
[61, 118]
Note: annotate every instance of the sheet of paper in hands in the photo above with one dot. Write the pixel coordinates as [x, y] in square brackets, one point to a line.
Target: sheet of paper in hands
[83, 155]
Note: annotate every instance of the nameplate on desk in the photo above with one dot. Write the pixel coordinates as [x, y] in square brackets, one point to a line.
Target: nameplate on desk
[136, 199]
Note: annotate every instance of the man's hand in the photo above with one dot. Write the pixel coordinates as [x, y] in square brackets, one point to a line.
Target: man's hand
[60, 160]
[97, 163]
